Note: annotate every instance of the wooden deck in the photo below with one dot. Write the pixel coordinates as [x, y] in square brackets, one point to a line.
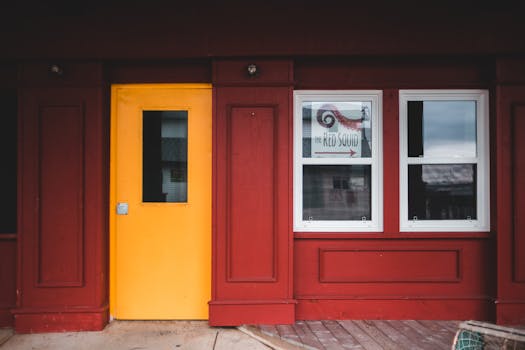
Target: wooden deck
[362, 335]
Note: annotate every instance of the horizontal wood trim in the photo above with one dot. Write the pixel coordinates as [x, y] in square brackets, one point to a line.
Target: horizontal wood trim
[195, 71]
[269, 72]
[6, 317]
[236, 313]
[401, 309]
[392, 72]
[73, 74]
[8, 236]
[510, 312]
[34, 321]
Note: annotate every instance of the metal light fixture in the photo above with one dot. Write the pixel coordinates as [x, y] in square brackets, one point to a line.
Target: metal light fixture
[252, 70]
[55, 69]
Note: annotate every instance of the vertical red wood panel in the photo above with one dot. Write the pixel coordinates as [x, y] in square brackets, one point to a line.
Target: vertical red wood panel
[252, 236]
[8, 253]
[391, 160]
[62, 263]
[252, 225]
[510, 147]
[61, 183]
[518, 177]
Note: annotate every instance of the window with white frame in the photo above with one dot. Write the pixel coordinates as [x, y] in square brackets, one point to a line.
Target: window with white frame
[337, 161]
[444, 160]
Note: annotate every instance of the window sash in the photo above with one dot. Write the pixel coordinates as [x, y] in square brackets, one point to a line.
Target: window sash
[482, 221]
[375, 161]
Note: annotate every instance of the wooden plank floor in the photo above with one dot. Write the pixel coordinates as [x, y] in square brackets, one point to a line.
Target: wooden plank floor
[365, 334]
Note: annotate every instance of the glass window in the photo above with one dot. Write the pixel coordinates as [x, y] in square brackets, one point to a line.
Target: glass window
[444, 160]
[165, 156]
[337, 161]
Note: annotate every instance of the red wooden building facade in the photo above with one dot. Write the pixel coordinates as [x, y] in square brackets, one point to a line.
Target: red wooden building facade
[57, 67]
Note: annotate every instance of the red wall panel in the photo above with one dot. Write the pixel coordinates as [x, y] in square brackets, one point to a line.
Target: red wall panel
[8, 254]
[518, 197]
[379, 278]
[510, 169]
[62, 272]
[252, 222]
[386, 265]
[252, 236]
[61, 183]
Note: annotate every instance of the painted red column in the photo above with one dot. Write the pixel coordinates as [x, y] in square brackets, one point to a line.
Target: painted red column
[252, 235]
[62, 261]
[510, 150]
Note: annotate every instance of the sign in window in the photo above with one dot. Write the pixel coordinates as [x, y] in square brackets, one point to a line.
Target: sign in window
[337, 161]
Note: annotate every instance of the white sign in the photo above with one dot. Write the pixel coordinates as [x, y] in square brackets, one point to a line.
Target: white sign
[336, 129]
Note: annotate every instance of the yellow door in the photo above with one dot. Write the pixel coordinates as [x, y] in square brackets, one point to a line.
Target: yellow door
[160, 189]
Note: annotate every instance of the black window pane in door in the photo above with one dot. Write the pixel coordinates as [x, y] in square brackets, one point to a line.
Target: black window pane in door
[165, 156]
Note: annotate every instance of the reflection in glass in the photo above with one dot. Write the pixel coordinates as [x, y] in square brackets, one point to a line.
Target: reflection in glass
[442, 128]
[165, 156]
[337, 192]
[337, 129]
[442, 192]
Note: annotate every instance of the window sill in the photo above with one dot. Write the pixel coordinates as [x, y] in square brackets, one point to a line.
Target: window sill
[394, 235]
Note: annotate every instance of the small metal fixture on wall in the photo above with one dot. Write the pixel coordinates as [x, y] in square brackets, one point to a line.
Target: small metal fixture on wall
[56, 70]
[252, 70]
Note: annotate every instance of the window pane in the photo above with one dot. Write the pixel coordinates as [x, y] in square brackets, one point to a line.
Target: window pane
[337, 129]
[442, 192]
[337, 192]
[165, 154]
[442, 128]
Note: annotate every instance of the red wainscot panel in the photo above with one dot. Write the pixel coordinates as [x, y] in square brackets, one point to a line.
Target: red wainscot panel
[8, 249]
[252, 238]
[510, 168]
[393, 278]
[62, 249]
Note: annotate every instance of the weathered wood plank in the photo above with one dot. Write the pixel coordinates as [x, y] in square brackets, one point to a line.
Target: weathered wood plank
[324, 335]
[440, 329]
[452, 326]
[363, 338]
[344, 338]
[306, 335]
[375, 333]
[287, 332]
[427, 334]
[414, 336]
[400, 340]
[268, 329]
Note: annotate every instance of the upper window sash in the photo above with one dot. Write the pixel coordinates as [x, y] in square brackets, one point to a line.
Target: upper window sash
[366, 161]
[474, 156]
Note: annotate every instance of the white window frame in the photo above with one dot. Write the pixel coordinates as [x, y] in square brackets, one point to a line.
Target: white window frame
[482, 159]
[376, 161]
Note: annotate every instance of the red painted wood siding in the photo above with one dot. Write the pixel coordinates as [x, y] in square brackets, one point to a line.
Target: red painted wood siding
[393, 274]
[252, 251]
[510, 169]
[8, 257]
[63, 233]
[252, 223]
